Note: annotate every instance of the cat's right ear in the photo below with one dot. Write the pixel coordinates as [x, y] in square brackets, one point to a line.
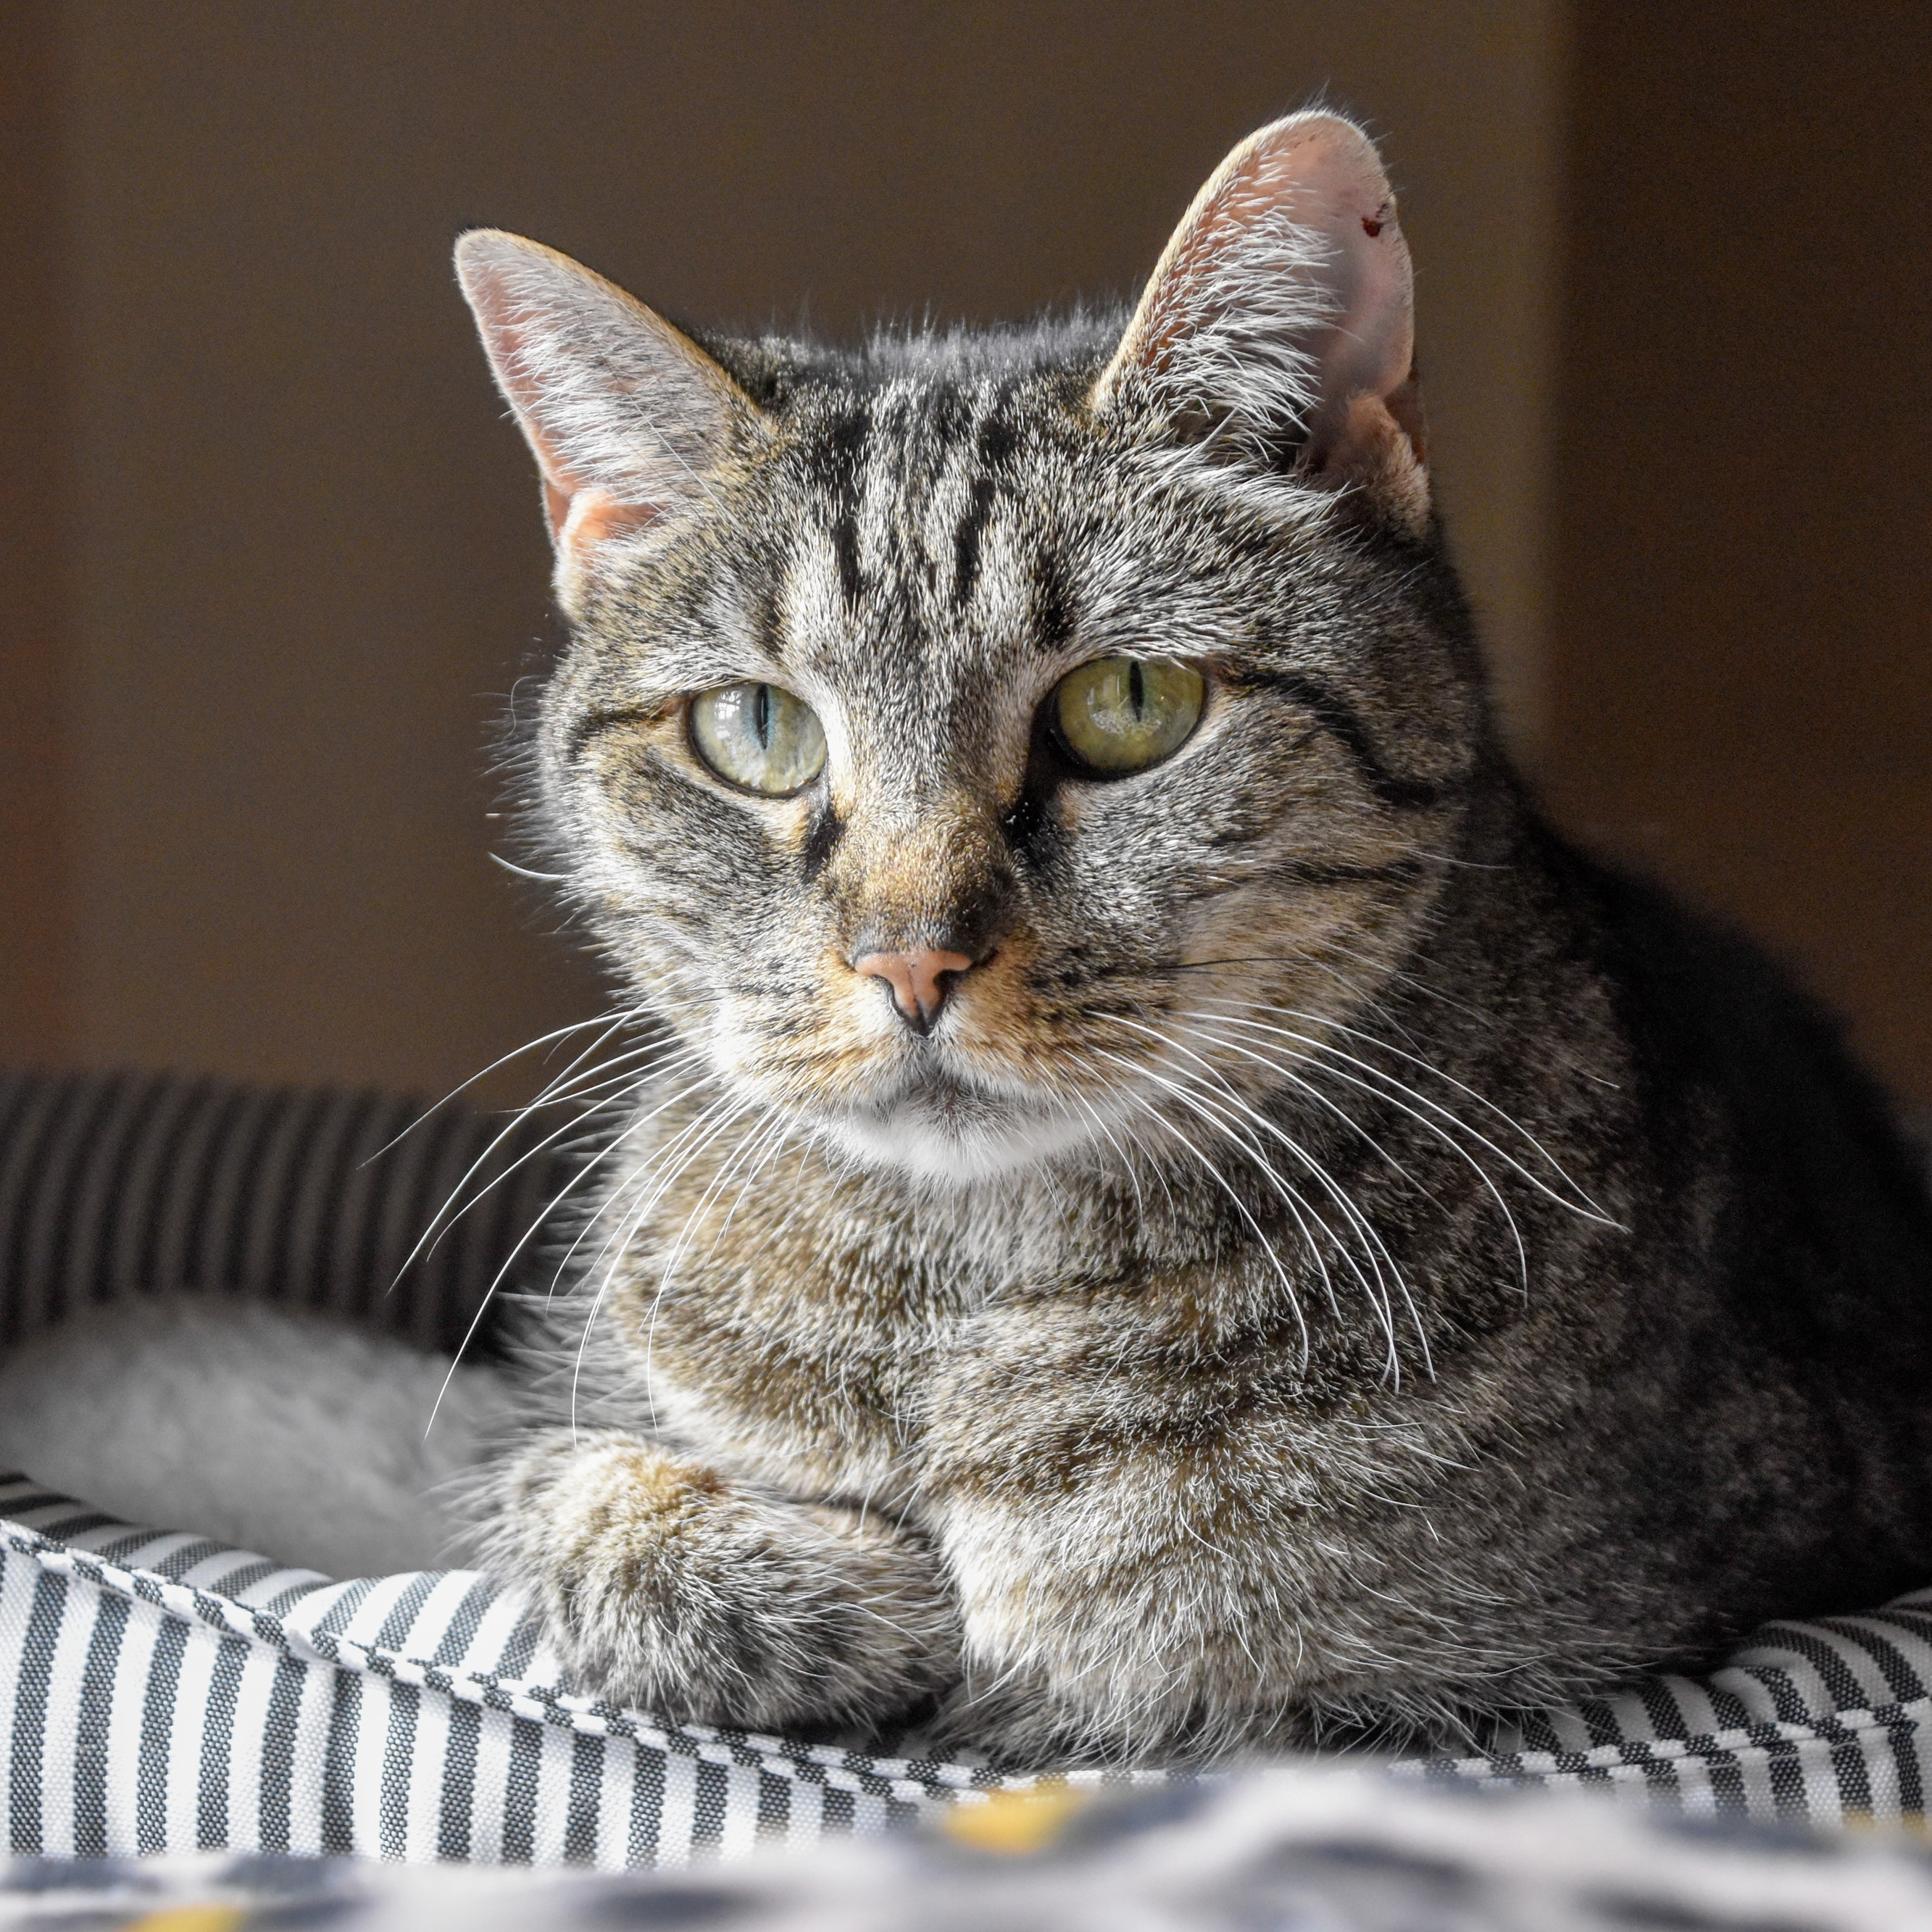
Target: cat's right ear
[1277, 334]
[630, 421]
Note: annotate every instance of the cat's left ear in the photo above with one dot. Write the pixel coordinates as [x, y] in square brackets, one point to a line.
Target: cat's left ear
[630, 421]
[1278, 330]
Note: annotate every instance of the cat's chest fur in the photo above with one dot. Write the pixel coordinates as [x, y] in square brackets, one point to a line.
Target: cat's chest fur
[793, 1339]
[812, 1335]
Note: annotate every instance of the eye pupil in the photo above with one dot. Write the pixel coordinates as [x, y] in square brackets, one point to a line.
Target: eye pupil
[1120, 714]
[759, 736]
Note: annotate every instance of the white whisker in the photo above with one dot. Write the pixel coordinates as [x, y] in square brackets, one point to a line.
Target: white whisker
[613, 1021]
[1378, 1250]
[1241, 1208]
[1588, 1209]
[1429, 1125]
[448, 1213]
[621, 1237]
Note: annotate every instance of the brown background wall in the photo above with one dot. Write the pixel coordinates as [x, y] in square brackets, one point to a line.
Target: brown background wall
[37, 949]
[282, 561]
[1739, 693]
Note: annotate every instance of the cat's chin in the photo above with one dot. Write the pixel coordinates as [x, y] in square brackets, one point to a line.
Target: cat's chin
[948, 1132]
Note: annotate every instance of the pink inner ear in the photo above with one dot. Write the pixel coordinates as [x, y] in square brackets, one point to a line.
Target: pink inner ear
[1236, 282]
[573, 355]
[1371, 346]
[593, 517]
[1325, 175]
[581, 515]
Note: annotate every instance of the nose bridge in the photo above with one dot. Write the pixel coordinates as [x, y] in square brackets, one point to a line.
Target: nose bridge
[935, 876]
[922, 863]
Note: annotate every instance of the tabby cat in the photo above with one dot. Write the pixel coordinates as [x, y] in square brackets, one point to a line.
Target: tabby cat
[1178, 1217]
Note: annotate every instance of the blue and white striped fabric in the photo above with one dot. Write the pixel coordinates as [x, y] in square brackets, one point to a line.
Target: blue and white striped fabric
[160, 1693]
[1827, 1721]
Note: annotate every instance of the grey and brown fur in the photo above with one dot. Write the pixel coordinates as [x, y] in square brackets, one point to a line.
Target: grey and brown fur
[1340, 1258]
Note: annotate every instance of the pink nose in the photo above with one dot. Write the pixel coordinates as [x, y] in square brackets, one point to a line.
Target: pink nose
[920, 980]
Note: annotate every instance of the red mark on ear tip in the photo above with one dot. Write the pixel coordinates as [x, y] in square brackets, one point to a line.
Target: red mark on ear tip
[1371, 227]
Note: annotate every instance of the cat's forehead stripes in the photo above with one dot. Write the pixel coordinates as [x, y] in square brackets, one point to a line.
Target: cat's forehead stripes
[903, 585]
[909, 479]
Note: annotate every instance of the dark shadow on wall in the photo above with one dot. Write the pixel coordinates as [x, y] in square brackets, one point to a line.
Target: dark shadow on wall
[1740, 680]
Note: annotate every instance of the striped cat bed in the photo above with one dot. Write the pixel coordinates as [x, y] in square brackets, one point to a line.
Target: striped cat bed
[162, 1693]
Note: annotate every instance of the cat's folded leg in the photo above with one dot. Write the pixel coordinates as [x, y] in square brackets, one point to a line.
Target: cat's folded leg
[664, 1586]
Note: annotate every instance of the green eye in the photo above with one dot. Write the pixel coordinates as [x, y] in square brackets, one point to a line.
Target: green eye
[760, 737]
[1121, 715]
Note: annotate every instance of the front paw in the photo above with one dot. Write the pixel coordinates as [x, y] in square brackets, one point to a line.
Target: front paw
[1018, 1720]
[1011, 1720]
[665, 1587]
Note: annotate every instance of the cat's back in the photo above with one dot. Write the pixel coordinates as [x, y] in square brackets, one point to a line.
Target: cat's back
[1783, 1295]
[1833, 1203]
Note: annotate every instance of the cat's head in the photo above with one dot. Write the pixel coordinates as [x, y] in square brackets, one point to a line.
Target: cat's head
[958, 736]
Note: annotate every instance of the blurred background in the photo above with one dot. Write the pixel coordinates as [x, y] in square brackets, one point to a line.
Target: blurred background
[274, 570]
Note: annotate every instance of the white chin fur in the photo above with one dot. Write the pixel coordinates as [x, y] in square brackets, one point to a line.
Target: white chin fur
[914, 1140]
